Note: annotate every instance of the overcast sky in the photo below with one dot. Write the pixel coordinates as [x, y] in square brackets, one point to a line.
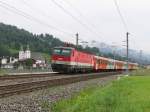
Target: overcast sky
[94, 19]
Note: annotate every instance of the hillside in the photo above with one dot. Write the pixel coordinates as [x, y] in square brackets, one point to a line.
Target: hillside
[11, 38]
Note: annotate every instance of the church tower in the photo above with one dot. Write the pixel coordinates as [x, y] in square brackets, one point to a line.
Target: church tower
[27, 53]
[21, 53]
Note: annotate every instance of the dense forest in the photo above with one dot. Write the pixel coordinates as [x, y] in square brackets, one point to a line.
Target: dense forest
[12, 38]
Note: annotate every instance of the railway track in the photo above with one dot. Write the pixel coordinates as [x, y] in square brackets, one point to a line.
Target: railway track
[11, 77]
[8, 90]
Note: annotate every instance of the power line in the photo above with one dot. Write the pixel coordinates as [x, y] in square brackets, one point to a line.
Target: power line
[82, 15]
[37, 10]
[29, 17]
[123, 20]
[40, 11]
[127, 33]
[120, 14]
[74, 17]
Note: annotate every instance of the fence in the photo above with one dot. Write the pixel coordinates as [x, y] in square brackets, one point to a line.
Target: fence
[29, 70]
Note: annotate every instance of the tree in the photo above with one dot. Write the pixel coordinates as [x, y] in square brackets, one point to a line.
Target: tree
[29, 62]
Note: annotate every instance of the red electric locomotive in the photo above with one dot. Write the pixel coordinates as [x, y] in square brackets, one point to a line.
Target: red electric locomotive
[68, 59]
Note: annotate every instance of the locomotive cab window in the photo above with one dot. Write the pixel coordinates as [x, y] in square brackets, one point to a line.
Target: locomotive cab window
[63, 52]
[66, 52]
[56, 51]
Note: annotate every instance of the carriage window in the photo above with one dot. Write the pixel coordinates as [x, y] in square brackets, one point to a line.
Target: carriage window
[98, 61]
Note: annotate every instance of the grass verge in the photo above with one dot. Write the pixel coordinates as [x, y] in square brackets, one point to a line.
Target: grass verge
[2, 72]
[129, 94]
[141, 72]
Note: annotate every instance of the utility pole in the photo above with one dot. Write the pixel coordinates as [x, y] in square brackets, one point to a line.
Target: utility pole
[127, 34]
[77, 39]
[114, 57]
[113, 46]
[141, 52]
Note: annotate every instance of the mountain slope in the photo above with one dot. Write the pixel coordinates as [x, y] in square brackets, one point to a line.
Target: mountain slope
[12, 38]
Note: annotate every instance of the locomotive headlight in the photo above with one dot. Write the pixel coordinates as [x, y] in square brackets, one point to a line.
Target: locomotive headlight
[60, 58]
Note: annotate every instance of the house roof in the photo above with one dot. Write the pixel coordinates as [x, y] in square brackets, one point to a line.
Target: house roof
[37, 56]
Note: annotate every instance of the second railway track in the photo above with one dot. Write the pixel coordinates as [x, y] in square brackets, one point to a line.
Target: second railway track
[8, 90]
[11, 77]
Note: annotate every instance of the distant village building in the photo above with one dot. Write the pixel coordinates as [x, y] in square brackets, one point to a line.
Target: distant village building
[23, 55]
[10, 62]
[3, 61]
[7, 62]
[39, 60]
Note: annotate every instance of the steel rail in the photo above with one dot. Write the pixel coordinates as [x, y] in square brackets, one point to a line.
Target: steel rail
[11, 77]
[9, 90]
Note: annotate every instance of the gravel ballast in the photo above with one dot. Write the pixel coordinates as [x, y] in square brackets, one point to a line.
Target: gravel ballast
[40, 101]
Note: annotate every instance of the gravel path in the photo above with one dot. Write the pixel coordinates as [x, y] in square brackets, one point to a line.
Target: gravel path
[40, 101]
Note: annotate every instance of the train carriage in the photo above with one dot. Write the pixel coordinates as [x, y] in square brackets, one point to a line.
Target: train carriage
[103, 64]
[133, 66]
[68, 59]
[119, 65]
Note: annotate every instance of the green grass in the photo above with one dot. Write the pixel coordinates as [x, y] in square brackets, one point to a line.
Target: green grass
[2, 72]
[140, 72]
[129, 94]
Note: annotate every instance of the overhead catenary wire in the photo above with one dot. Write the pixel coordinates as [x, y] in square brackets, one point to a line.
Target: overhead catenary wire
[124, 22]
[83, 16]
[121, 16]
[30, 17]
[127, 33]
[42, 13]
[74, 17]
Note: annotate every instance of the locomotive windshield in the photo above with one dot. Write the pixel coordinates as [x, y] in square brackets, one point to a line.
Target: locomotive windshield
[62, 51]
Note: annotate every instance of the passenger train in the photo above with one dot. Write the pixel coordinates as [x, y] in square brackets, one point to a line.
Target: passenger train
[70, 60]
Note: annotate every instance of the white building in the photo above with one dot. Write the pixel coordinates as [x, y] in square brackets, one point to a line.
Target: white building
[4, 61]
[23, 55]
[7, 62]
[39, 60]
[27, 53]
[13, 60]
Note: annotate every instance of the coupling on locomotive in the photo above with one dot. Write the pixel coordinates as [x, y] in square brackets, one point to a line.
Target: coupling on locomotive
[69, 59]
